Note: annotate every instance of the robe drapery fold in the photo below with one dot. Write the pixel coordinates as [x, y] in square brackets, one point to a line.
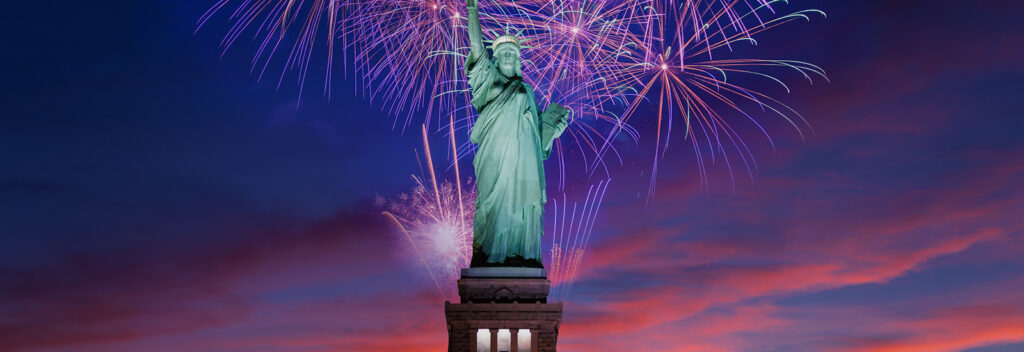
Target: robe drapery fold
[508, 163]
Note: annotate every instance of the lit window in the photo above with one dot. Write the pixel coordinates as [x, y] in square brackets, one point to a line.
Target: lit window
[524, 340]
[483, 340]
[504, 340]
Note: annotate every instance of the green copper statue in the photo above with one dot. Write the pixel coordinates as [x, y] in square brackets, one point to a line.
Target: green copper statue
[514, 140]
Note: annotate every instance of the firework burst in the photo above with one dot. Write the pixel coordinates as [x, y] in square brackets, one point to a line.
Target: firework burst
[440, 236]
[686, 80]
[670, 61]
[437, 220]
[408, 57]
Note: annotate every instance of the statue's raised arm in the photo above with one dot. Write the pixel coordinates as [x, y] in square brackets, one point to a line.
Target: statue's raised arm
[476, 40]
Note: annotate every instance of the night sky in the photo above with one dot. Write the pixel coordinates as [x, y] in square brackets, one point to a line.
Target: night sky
[157, 197]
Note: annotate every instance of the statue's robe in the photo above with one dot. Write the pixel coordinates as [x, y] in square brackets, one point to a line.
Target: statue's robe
[509, 163]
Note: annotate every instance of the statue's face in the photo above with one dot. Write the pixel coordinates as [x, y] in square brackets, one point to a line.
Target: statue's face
[506, 56]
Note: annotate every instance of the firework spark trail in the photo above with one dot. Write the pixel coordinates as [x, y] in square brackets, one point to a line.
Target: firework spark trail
[685, 84]
[669, 63]
[595, 58]
[599, 196]
[271, 23]
[436, 223]
[569, 245]
[573, 50]
[410, 47]
[430, 165]
[419, 253]
[605, 60]
[441, 238]
[455, 162]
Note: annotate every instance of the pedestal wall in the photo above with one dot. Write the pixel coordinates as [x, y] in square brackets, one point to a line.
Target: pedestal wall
[495, 300]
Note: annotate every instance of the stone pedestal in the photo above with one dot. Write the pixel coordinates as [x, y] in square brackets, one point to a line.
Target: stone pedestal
[495, 299]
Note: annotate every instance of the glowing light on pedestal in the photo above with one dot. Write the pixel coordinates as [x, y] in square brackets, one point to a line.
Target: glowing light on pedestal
[483, 340]
[524, 340]
[504, 340]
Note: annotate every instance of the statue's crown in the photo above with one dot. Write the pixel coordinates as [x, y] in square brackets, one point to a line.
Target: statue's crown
[505, 39]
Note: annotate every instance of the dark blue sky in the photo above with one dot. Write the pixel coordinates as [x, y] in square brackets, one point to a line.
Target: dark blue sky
[154, 195]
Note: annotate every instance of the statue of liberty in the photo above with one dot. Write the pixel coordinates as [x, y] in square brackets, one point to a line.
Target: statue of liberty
[514, 140]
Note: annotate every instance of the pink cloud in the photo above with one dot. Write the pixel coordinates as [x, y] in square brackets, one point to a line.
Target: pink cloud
[870, 237]
[102, 301]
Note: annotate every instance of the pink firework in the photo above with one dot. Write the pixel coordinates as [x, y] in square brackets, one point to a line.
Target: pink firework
[407, 57]
[670, 62]
[439, 236]
[688, 84]
[437, 220]
[294, 31]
